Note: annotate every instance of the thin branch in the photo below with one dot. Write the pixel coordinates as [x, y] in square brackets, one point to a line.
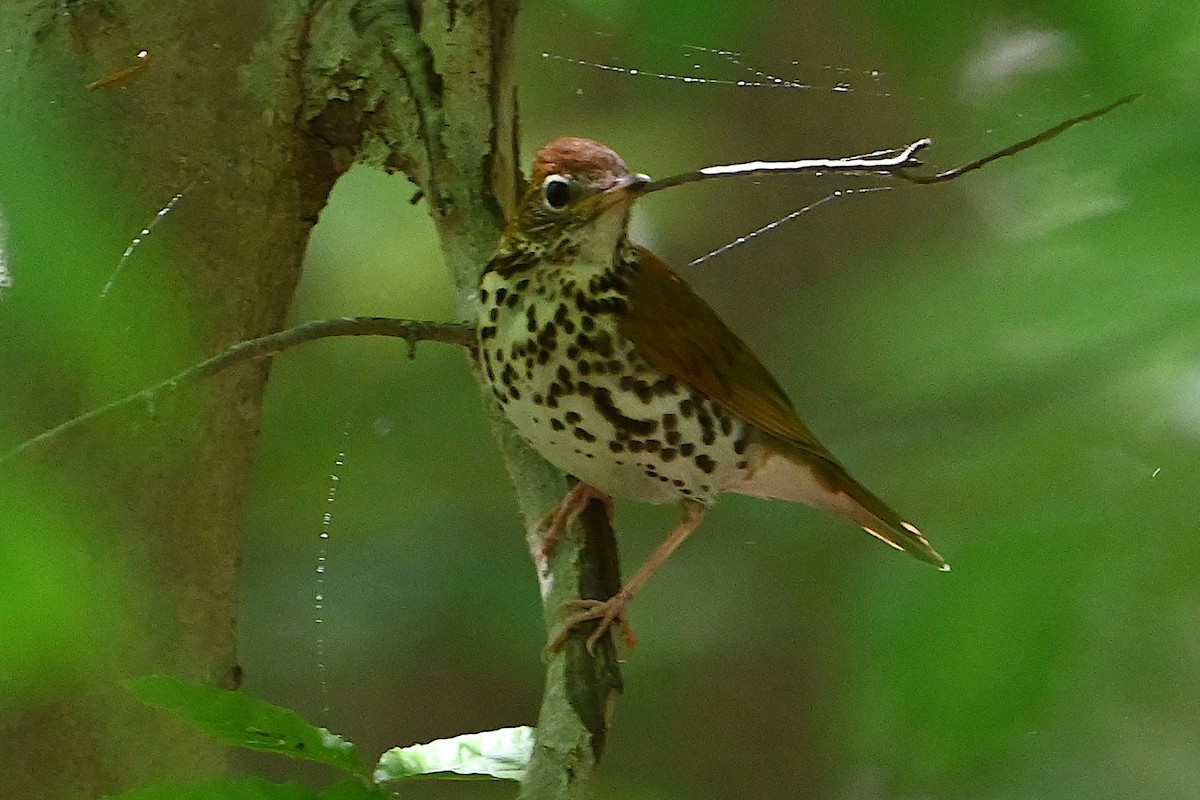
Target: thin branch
[459, 333]
[897, 165]
[1013, 149]
[853, 164]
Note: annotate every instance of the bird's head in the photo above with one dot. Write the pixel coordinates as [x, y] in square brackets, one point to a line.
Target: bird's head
[576, 184]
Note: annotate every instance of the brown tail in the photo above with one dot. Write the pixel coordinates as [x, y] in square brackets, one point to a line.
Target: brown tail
[790, 471]
[879, 520]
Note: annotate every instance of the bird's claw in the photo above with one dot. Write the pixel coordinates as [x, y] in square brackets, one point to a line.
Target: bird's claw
[555, 523]
[605, 613]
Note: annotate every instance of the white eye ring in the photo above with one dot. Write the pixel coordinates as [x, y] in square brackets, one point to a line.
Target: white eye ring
[556, 192]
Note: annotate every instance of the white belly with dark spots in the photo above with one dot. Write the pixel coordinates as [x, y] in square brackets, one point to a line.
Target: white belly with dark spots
[574, 390]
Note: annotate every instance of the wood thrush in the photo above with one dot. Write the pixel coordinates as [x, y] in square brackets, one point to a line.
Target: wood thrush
[617, 373]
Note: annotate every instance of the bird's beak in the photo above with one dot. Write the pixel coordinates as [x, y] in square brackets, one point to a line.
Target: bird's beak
[624, 190]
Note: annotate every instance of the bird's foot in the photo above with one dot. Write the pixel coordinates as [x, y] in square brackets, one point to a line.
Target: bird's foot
[555, 524]
[605, 613]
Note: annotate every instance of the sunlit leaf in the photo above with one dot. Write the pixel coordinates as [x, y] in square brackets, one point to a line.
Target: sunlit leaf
[243, 721]
[502, 754]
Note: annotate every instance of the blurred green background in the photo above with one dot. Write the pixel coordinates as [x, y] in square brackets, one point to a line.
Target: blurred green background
[1012, 360]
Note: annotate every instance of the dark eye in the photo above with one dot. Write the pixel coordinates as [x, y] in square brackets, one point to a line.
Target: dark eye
[556, 192]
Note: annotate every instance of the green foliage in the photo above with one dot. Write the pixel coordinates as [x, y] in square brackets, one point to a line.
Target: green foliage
[63, 611]
[502, 754]
[242, 721]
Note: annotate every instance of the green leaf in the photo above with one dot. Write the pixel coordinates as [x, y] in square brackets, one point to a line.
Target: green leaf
[242, 789]
[243, 721]
[502, 754]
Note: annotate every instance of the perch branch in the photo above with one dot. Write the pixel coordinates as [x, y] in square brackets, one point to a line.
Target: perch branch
[411, 331]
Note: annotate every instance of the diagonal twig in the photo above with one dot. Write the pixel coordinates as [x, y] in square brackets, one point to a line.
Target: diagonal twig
[1013, 149]
[411, 331]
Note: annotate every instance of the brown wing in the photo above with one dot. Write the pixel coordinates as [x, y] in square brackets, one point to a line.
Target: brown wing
[677, 332]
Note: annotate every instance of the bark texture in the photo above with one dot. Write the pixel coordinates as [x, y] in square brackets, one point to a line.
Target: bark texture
[169, 482]
[253, 110]
[430, 92]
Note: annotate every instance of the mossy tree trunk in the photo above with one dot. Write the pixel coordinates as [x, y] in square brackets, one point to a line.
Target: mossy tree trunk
[251, 111]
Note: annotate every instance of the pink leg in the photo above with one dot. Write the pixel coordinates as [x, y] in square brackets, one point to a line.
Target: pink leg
[612, 610]
[555, 523]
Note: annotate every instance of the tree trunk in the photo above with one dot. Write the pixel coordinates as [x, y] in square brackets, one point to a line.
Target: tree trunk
[155, 494]
[245, 114]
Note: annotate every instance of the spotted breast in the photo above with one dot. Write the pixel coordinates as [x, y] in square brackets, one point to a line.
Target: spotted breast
[577, 390]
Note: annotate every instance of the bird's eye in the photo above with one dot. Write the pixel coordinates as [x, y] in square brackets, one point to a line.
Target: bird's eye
[556, 192]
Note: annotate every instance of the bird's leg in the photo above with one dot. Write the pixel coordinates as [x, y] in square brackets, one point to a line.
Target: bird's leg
[555, 523]
[606, 612]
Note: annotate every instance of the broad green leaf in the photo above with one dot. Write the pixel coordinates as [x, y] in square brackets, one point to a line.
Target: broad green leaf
[502, 754]
[244, 721]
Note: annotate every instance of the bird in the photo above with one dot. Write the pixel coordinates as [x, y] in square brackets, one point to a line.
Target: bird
[619, 374]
